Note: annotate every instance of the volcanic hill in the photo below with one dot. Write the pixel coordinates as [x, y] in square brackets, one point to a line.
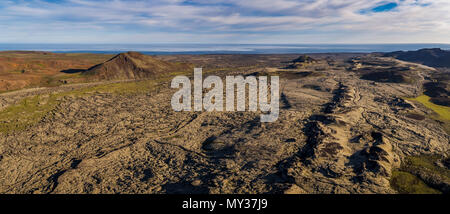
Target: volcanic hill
[134, 65]
[301, 62]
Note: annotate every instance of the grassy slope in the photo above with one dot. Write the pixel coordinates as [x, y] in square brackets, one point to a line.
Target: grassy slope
[404, 180]
[407, 183]
[442, 111]
[31, 110]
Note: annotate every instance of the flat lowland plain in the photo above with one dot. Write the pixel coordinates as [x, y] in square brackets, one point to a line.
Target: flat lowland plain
[338, 131]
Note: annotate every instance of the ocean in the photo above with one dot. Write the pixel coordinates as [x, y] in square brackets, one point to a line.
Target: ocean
[163, 49]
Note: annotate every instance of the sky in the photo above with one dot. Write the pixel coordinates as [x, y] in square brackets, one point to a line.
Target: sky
[225, 21]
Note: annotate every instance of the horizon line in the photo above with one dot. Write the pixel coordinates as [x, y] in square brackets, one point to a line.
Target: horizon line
[198, 43]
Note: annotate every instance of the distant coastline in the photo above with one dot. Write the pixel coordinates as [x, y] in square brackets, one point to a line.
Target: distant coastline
[168, 49]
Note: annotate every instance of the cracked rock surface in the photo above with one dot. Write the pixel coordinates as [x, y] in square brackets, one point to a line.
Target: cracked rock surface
[337, 133]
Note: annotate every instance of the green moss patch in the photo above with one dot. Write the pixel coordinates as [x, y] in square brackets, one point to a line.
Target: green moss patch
[26, 112]
[407, 183]
[31, 110]
[426, 163]
[442, 111]
[420, 175]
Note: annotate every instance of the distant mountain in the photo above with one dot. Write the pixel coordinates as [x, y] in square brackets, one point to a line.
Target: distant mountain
[134, 65]
[439, 88]
[433, 57]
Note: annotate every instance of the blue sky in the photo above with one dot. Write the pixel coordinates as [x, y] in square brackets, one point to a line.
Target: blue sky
[224, 21]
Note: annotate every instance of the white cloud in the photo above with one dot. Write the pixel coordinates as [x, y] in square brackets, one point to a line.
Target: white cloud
[222, 20]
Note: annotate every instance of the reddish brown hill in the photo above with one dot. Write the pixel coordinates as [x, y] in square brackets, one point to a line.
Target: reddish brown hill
[134, 65]
[20, 69]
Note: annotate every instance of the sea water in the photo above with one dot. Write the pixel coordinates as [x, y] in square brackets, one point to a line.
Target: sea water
[161, 49]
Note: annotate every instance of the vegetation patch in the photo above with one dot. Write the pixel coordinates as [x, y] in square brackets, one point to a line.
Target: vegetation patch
[407, 183]
[31, 110]
[442, 111]
[427, 162]
[425, 174]
[28, 111]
